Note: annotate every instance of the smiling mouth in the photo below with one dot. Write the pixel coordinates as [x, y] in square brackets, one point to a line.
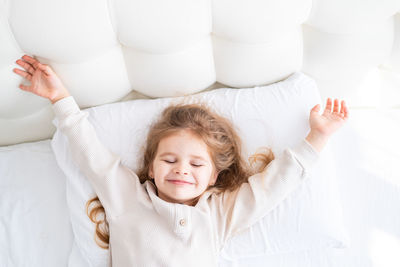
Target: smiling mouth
[179, 182]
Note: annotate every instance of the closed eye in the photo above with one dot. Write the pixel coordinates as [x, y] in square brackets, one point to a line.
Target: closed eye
[196, 165]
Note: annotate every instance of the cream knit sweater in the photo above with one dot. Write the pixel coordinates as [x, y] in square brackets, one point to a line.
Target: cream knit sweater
[148, 231]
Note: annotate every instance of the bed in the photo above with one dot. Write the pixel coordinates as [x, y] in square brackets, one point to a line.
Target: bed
[115, 56]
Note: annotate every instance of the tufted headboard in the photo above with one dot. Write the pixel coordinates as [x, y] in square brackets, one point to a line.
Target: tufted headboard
[115, 50]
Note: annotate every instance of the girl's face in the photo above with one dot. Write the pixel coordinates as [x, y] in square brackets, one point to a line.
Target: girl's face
[182, 168]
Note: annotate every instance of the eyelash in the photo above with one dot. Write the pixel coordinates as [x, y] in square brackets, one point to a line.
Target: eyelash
[194, 165]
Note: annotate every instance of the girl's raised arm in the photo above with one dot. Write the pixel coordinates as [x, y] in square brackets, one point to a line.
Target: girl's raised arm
[109, 178]
[240, 209]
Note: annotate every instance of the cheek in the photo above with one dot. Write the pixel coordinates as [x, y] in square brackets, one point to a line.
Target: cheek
[205, 174]
[162, 169]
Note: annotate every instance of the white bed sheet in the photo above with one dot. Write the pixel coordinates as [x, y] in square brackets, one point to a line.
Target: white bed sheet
[35, 229]
[367, 154]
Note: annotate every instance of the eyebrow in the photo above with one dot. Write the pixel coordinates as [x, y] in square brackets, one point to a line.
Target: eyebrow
[172, 154]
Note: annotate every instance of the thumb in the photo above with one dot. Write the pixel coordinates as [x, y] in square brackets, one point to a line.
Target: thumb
[316, 108]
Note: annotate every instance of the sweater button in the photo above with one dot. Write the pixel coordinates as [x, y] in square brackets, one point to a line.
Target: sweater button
[182, 222]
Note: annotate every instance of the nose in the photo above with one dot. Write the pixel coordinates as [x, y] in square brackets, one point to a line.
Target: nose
[181, 169]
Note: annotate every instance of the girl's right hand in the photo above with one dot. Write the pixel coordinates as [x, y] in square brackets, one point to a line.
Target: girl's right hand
[44, 81]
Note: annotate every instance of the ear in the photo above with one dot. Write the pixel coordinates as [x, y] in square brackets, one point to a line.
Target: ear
[151, 174]
[213, 179]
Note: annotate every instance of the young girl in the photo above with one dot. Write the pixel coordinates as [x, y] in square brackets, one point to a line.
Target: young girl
[193, 192]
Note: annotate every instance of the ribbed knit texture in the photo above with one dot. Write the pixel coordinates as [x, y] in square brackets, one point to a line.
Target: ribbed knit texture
[146, 230]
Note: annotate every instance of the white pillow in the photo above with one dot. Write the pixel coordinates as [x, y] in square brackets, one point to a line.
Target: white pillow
[275, 116]
[35, 228]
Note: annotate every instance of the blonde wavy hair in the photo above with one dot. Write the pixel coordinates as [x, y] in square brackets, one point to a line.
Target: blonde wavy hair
[224, 146]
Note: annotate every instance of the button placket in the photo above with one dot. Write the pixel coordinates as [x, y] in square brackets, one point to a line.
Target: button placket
[182, 222]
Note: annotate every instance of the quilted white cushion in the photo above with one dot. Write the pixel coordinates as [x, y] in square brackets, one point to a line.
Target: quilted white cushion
[104, 50]
[275, 116]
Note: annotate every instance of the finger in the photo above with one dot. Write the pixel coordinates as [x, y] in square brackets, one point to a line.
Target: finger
[342, 104]
[26, 66]
[31, 60]
[336, 106]
[45, 68]
[345, 111]
[24, 87]
[328, 107]
[316, 108]
[24, 74]
[341, 111]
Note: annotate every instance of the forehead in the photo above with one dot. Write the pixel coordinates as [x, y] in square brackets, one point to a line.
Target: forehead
[183, 143]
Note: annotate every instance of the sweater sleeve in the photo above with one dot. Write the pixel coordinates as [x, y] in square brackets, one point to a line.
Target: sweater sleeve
[111, 180]
[239, 209]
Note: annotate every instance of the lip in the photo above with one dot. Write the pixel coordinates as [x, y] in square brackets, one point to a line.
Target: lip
[179, 182]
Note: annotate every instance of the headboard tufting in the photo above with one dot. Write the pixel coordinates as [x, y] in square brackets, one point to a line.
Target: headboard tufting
[114, 50]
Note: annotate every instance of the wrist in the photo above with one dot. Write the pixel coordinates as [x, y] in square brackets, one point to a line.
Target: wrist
[317, 140]
[58, 97]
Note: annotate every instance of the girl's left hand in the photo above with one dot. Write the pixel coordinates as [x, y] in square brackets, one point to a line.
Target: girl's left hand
[330, 120]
